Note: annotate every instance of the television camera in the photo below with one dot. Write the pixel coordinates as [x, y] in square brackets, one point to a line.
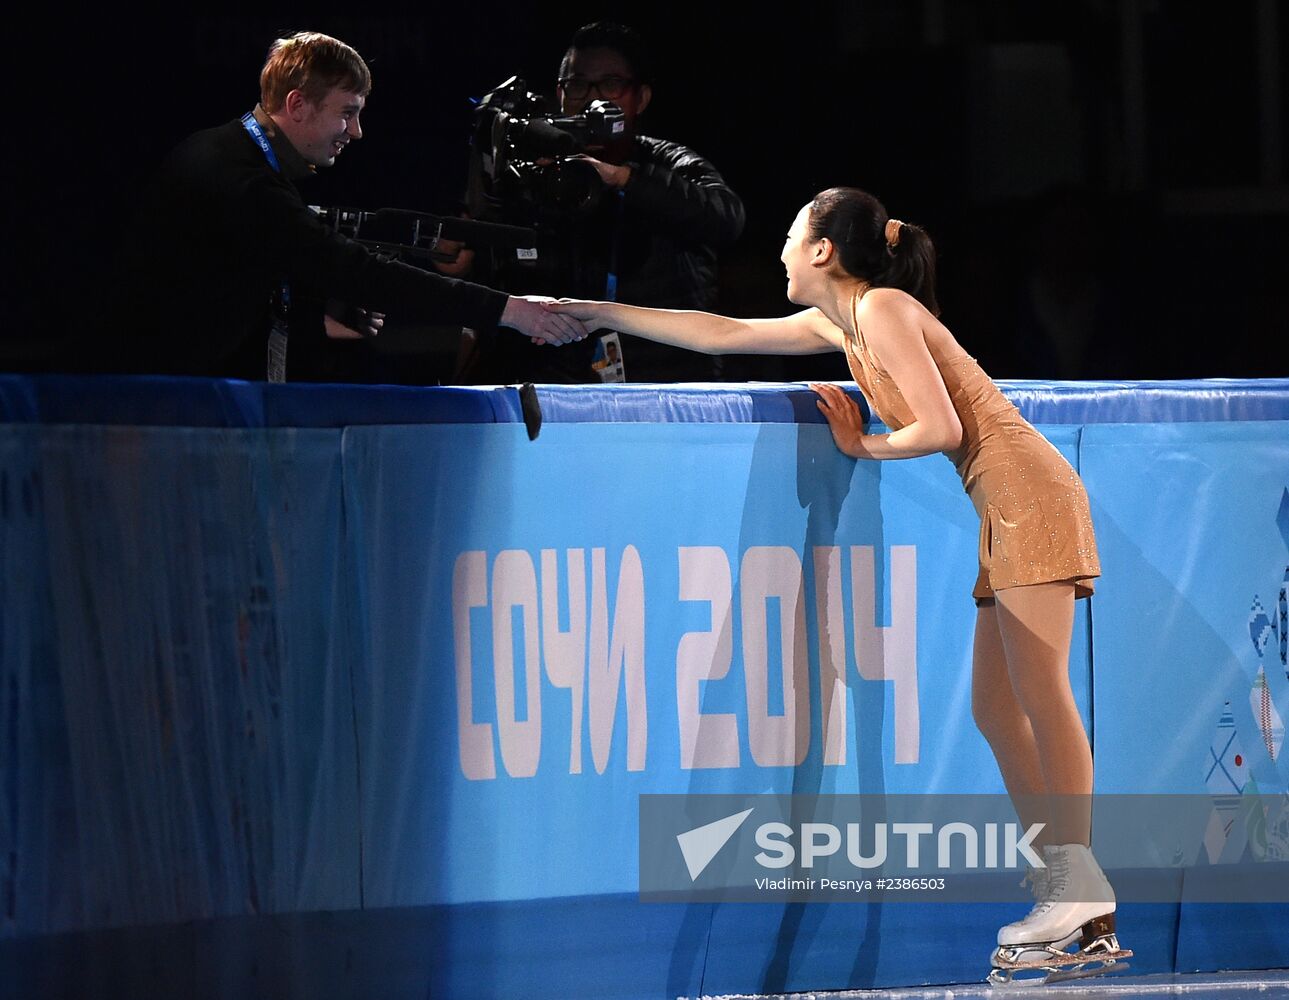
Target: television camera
[524, 163]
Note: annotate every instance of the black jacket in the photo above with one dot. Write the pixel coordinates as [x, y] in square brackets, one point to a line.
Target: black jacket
[219, 235]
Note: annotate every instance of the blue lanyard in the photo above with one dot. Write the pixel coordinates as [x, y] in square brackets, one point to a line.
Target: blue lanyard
[257, 133]
[611, 283]
[253, 127]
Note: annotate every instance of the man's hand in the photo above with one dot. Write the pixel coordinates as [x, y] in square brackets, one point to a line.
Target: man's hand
[614, 175]
[462, 263]
[587, 310]
[528, 314]
[366, 324]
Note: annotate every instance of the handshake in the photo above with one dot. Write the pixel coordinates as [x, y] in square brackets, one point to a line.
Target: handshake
[546, 320]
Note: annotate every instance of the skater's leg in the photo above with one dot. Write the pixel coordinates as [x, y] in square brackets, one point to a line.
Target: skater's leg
[1022, 703]
[1002, 721]
[1035, 624]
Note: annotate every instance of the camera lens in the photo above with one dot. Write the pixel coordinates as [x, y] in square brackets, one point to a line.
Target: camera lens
[569, 185]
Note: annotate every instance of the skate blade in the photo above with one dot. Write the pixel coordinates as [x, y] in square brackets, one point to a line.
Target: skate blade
[1101, 967]
[1057, 968]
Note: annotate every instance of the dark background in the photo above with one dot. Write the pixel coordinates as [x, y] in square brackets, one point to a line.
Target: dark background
[1128, 157]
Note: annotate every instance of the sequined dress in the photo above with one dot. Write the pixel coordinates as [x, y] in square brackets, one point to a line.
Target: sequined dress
[1035, 526]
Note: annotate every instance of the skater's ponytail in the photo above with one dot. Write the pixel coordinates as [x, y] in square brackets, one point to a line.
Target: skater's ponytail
[871, 245]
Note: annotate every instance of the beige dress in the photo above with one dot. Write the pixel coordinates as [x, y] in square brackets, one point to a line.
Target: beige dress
[1035, 526]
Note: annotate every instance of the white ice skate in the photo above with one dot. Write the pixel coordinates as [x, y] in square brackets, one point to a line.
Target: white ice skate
[1074, 903]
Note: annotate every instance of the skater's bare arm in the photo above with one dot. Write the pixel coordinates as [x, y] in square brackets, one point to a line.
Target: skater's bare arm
[806, 332]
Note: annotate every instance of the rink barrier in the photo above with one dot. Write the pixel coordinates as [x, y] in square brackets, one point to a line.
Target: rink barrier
[237, 754]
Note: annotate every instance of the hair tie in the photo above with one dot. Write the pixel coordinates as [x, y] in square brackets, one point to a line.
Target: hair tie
[893, 233]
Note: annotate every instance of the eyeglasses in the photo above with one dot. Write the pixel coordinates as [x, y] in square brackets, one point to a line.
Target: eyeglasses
[610, 87]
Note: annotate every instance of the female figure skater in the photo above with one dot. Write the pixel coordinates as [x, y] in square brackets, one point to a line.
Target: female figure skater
[867, 281]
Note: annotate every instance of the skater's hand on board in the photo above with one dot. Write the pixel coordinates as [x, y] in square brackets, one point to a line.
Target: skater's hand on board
[845, 419]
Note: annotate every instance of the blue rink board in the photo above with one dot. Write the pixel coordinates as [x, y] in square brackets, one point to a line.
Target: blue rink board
[322, 525]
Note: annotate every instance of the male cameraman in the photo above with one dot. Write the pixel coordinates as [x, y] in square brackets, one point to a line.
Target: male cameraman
[650, 239]
[220, 262]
